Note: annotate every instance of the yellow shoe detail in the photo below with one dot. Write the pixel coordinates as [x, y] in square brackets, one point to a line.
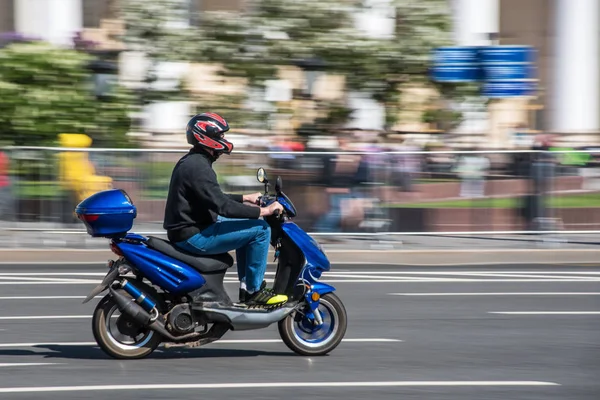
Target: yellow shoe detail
[277, 299]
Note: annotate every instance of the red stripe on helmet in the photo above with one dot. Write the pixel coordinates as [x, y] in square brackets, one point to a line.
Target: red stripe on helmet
[217, 117]
[208, 142]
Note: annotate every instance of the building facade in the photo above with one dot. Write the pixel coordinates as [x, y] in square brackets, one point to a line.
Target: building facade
[566, 34]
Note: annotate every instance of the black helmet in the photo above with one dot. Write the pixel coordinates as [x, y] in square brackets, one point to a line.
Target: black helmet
[208, 130]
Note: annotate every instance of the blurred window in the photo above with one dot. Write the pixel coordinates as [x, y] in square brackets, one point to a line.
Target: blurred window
[7, 16]
[94, 11]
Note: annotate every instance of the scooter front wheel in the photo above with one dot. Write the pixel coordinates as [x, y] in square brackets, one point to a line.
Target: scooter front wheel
[300, 334]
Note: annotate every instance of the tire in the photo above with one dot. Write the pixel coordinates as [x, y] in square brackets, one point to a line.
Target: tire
[331, 309]
[112, 346]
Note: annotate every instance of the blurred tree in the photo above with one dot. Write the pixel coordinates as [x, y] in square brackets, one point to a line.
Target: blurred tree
[159, 30]
[45, 91]
[282, 32]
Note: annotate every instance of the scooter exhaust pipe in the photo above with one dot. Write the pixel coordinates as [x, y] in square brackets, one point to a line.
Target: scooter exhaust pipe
[139, 315]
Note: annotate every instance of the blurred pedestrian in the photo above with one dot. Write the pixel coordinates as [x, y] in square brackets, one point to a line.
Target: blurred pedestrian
[6, 197]
[472, 169]
[340, 176]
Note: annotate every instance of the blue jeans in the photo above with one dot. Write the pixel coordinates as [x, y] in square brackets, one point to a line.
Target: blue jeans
[250, 239]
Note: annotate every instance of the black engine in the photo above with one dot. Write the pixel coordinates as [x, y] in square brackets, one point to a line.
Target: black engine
[180, 319]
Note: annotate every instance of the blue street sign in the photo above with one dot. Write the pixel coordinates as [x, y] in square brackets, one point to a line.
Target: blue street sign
[505, 71]
[456, 55]
[511, 72]
[506, 54]
[457, 73]
[498, 90]
[508, 71]
[456, 64]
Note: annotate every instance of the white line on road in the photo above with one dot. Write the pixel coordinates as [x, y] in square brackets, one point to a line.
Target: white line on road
[269, 385]
[367, 340]
[41, 273]
[335, 270]
[545, 312]
[40, 277]
[456, 280]
[69, 282]
[537, 276]
[27, 317]
[490, 272]
[500, 294]
[396, 280]
[43, 297]
[230, 341]
[6, 365]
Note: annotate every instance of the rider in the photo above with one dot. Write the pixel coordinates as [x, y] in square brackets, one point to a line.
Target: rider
[201, 219]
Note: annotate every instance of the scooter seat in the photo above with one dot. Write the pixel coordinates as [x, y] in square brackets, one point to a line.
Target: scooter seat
[204, 264]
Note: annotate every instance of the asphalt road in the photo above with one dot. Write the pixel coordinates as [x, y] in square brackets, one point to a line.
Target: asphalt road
[501, 332]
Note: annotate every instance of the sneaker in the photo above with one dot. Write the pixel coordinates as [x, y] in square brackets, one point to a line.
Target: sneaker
[266, 298]
[244, 295]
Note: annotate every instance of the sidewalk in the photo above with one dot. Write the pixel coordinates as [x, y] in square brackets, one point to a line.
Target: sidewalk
[48, 235]
[72, 246]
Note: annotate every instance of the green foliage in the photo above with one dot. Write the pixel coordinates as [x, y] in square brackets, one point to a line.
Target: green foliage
[336, 115]
[151, 29]
[231, 108]
[45, 91]
[112, 121]
[282, 32]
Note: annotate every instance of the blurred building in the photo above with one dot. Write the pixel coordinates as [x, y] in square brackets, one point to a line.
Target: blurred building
[566, 34]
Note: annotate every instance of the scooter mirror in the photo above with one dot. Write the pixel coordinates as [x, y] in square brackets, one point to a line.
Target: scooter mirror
[261, 175]
[278, 185]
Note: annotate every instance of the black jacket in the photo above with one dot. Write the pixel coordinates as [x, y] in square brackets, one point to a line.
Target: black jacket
[195, 198]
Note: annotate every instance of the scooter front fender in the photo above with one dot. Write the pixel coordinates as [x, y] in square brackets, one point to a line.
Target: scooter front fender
[322, 288]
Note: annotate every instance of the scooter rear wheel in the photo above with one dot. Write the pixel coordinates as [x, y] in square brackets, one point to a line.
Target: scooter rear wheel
[301, 336]
[111, 332]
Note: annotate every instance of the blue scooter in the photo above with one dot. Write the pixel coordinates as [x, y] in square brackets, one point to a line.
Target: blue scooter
[158, 293]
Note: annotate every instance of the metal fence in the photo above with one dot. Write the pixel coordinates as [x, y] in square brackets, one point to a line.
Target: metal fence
[336, 193]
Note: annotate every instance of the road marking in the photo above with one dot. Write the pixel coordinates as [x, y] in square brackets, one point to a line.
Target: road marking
[43, 297]
[501, 294]
[41, 277]
[230, 341]
[51, 283]
[78, 278]
[10, 279]
[28, 317]
[491, 272]
[367, 340]
[9, 345]
[268, 385]
[452, 280]
[335, 271]
[396, 280]
[545, 312]
[506, 275]
[6, 365]
[41, 273]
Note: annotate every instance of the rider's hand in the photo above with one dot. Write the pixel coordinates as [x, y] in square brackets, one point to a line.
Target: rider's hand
[270, 210]
[252, 198]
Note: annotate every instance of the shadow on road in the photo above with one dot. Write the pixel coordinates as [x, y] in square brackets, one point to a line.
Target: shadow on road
[95, 353]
